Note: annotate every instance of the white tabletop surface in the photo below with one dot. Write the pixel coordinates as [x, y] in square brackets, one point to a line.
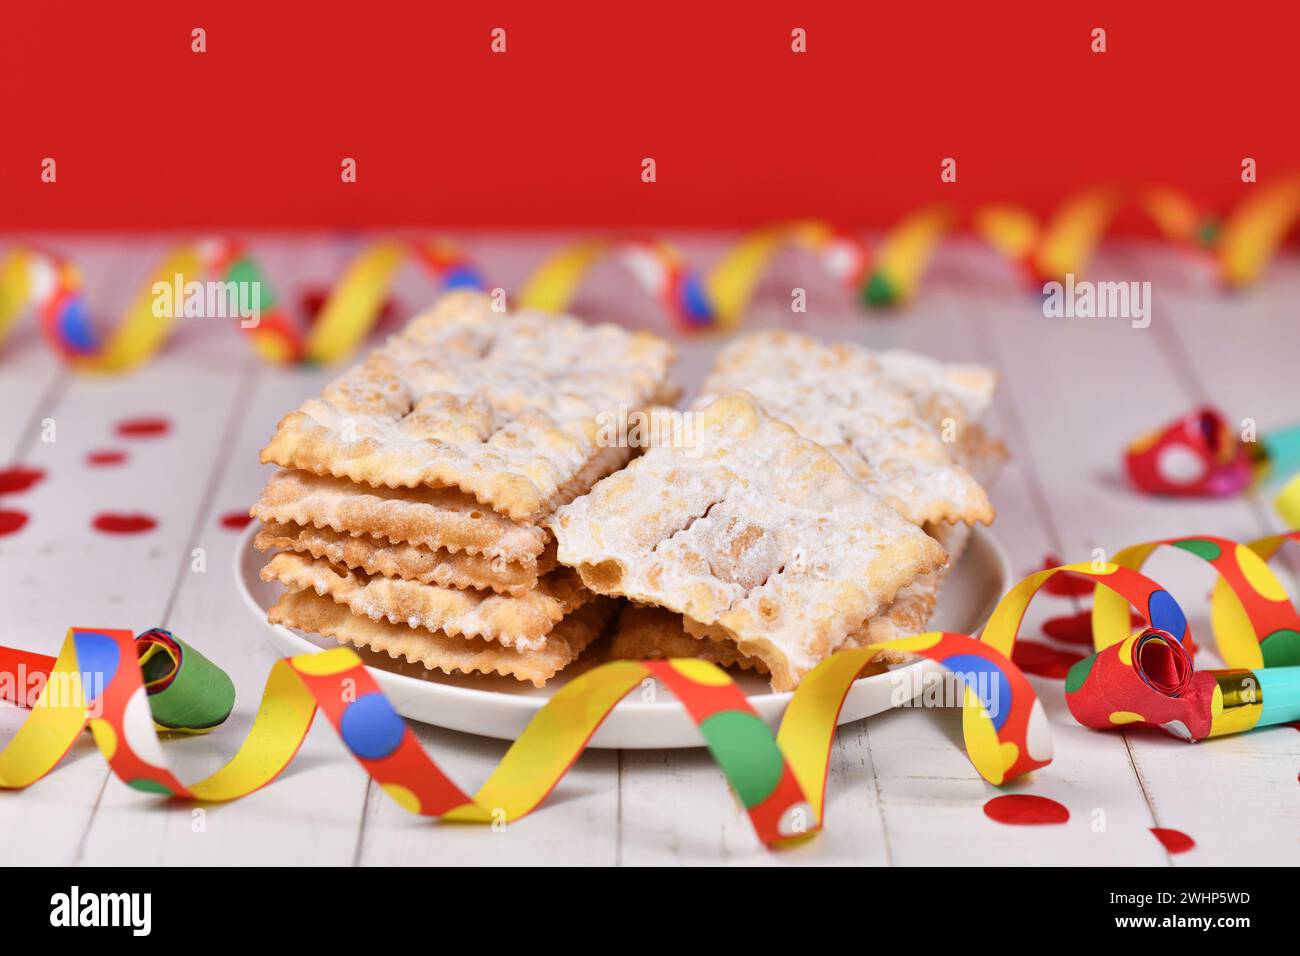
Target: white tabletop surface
[901, 790]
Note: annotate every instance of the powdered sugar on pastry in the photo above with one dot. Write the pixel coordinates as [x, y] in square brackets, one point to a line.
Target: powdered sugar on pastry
[940, 389]
[502, 406]
[522, 621]
[839, 396]
[750, 527]
[980, 453]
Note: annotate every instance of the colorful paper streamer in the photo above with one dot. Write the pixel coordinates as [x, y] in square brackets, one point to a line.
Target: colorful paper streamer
[883, 277]
[1240, 243]
[106, 682]
[52, 286]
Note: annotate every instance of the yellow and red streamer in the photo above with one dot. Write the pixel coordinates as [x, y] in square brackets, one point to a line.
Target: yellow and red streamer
[97, 681]
[887, 274]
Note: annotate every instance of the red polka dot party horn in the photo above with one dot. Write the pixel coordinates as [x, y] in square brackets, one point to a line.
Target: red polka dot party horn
[1201, 455]
[1147, 681]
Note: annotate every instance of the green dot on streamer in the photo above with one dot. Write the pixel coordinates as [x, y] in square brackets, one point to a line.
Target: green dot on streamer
[247, 274]
[150, 786]
[1201, 548]
[1078, 673]
[879, 292]
[1281, 648]
[747, 751]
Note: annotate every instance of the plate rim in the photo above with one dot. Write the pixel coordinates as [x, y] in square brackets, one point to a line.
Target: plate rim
[527, 705]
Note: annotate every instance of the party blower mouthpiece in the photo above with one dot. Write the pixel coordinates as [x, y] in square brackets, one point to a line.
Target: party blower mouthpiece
[1147, 680]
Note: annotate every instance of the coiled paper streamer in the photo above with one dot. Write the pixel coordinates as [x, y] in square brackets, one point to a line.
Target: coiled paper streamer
[720, 300]
[781, 780]
[53, 287]
[1242, 245]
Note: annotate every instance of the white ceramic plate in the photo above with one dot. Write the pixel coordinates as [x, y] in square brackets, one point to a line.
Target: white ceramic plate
[501, 707]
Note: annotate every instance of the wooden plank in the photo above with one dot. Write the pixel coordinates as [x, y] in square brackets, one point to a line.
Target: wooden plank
[1233, 796]
[1082, 388]
[288, 822]
[1237, 352]
[62, 571]
[31, 375]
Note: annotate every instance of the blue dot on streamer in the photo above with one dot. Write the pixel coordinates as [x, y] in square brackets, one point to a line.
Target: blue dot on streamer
[1166, 614]
[462, 277]
[97, 660]
[987, 680]
[370, 727]
[74, 325]
[694, 298]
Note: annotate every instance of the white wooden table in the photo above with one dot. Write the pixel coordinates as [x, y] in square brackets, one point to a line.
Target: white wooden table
[901, 790]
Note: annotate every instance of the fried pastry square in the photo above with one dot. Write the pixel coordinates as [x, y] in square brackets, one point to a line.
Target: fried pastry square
[980, 453]
[437, 650]
[907, 615]
[523, 621]
[412, 562]
[948, 392]
[444, 518]
[504, 407]
[840, 396]
[746, 525]
[652, 633]
[941, 390]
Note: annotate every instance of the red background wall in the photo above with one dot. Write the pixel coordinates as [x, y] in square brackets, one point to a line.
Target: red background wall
[148, 134]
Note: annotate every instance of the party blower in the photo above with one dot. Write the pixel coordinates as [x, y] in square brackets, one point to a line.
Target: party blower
[1200, 455]
[1147, 681]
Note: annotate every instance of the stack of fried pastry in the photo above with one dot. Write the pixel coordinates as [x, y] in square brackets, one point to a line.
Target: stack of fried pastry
[455, 500]
[904, 428]
[409, 515]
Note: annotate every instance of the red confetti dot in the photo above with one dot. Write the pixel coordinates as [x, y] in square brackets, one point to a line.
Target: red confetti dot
[1077, 628]
[110, 523]
[105, 458]
[11, 521]
[1025, 809]
[1036, 658]
[1065, 584]
[143, 427]
[16, 479]
[236, 520]
[1175, 841]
